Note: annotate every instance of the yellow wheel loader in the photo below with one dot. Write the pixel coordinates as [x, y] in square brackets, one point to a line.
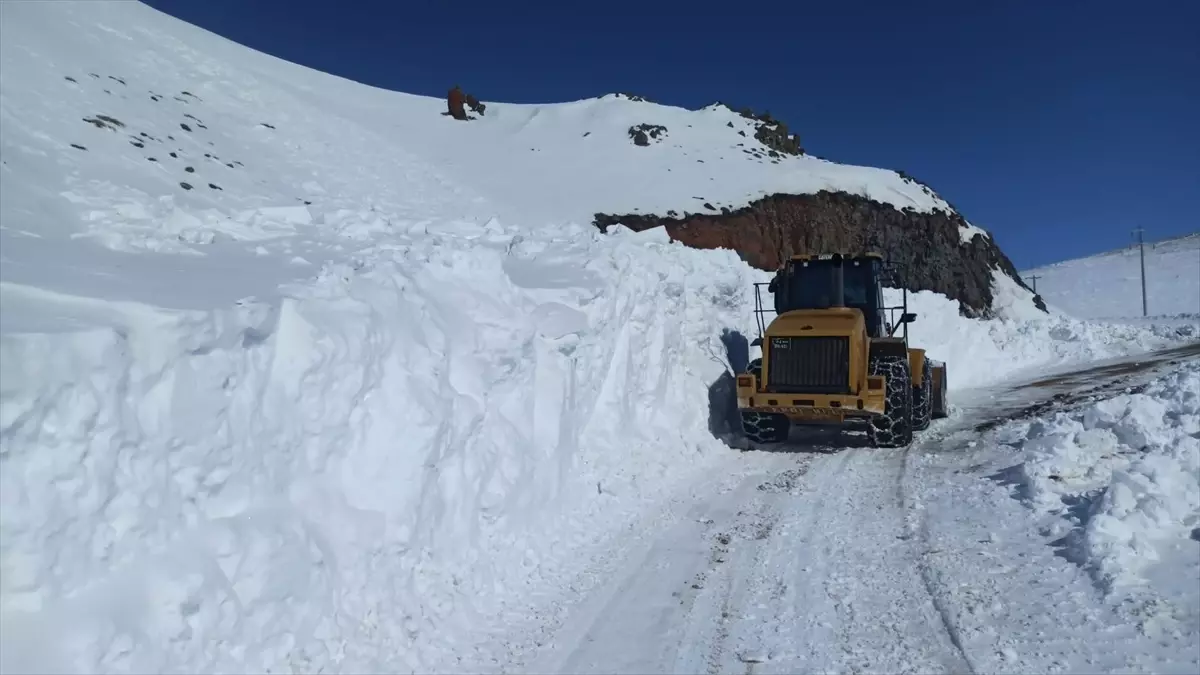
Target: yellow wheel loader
[832, 356]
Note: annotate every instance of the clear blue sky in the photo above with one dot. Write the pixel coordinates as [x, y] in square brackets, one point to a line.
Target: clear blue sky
[1059, 126]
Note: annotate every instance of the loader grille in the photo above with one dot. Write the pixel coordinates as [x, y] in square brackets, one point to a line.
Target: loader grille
[819, 365]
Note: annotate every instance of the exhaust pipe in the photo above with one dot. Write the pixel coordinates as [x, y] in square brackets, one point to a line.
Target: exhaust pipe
[838, 297]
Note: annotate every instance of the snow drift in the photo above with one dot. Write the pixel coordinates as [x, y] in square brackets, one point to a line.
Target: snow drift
[1134, 461]
[1097, 508]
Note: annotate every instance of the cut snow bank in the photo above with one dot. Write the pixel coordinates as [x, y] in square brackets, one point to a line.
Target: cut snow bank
[1129, 467]
[361, 475]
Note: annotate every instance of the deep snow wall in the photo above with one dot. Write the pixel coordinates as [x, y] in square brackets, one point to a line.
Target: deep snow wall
[331, 480]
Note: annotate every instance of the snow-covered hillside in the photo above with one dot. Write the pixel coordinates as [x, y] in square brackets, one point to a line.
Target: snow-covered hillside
[298, 373]
[139, 133]
[1109, 285]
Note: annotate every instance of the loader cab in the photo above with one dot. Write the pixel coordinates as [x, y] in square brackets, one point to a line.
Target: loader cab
[830, 281]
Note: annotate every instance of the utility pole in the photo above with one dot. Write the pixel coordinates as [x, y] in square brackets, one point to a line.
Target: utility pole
[1034, 278]
[1142, 254]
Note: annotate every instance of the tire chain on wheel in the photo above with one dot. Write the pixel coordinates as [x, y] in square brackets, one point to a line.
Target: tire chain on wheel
[755, 369]
[922, 401]
[894, 427]
[762, 428]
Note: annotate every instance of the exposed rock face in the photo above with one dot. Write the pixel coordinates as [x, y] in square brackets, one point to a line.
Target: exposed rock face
[642, 134]
[628, 96]
[770, 132]
[772, 229]
[775, 135]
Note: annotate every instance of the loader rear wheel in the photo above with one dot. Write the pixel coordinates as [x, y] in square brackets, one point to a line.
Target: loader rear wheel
[894, 428]
[922, 400]
[764, 428]
[939, 408]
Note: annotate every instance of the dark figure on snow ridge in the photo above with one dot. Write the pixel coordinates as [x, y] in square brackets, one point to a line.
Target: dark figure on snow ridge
[455, 100]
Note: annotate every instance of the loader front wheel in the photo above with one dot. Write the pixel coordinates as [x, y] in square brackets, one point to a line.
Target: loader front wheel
[894, 428]
[764, 428]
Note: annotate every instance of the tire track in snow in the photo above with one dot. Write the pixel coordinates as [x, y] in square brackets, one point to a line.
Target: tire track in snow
[810, 565]
[839, 585]
[640, 618]
[807, 601]
[738, 547]
[920, 529]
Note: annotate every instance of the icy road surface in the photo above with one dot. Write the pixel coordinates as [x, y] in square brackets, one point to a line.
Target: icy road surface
[865, 560]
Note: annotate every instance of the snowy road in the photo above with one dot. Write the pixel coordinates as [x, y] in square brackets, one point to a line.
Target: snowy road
[825, 562]
[808, 565]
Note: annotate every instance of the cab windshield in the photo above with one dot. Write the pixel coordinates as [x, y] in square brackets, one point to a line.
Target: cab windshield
[812, 287]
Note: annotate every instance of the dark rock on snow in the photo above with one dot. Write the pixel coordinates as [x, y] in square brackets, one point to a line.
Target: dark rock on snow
[643, 133]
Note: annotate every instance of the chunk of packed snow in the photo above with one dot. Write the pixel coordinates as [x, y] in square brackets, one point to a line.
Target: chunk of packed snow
[1136, 459]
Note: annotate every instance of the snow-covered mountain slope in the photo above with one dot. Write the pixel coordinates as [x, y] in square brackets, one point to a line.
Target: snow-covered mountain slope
[364, 433]
[1109, 285]
[249, 132]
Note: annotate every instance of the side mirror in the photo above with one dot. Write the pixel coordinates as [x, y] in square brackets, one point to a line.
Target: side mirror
[757, 342]
[908, 317]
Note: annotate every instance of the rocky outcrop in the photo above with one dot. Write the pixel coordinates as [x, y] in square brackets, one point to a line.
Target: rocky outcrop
[768, 231]
[642, 134]
[769, 131]
[628, 96]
